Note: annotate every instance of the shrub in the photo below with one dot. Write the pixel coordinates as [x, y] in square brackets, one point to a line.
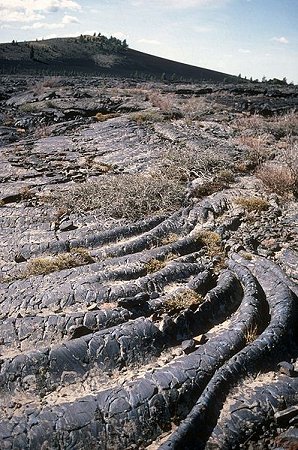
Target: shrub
[128, 196]
[193, 162]
[258, 151]
[50, 104]
[47, 82]
[280, 179]
[29, 107]
[194, 107]
[165, 102]
[92, 163]
[243, 166]
[285, 125]
[252, 203]
[252, 122]
[279, 126]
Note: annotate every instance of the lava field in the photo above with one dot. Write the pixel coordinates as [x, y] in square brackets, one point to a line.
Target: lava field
[148, 260]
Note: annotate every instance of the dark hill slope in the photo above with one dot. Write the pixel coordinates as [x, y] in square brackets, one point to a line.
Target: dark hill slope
[156, 65]
[89, 56]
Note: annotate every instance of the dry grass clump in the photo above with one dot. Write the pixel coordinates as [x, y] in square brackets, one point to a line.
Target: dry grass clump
[208, 188]
[92, 163]
[211, 240]
[225, 176]
[251, 334]
[128, 196]
[42, 131]
[59, 214]
[252, 204]
[26, 193]
[183, 300]
[154, 265]
[102, 167]
[246, 255]
[244, 166]
[147, 116]
[169, 239]
[100, 117]
[48, 264]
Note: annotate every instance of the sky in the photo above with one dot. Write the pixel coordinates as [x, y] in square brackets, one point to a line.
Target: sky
[254, 38]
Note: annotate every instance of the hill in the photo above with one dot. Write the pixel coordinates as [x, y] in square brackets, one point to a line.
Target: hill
[96, 55]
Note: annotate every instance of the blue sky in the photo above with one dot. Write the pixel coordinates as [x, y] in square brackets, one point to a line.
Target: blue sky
[253, 37]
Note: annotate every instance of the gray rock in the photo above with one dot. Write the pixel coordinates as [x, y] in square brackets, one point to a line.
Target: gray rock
[188, 346]
[67, 225]
[287, 368]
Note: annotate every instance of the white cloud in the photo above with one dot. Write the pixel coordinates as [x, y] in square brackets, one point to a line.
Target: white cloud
[30, 10]
[281, 40]
[182, 4]
[149, 41]
[42, 25]
[89, 32]
[119, 35]
[39, 5]
[60, 35]
[49, 36]
[19, 16]
[202, 29]
[69, 19]
[51, 26]
[244, 50]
